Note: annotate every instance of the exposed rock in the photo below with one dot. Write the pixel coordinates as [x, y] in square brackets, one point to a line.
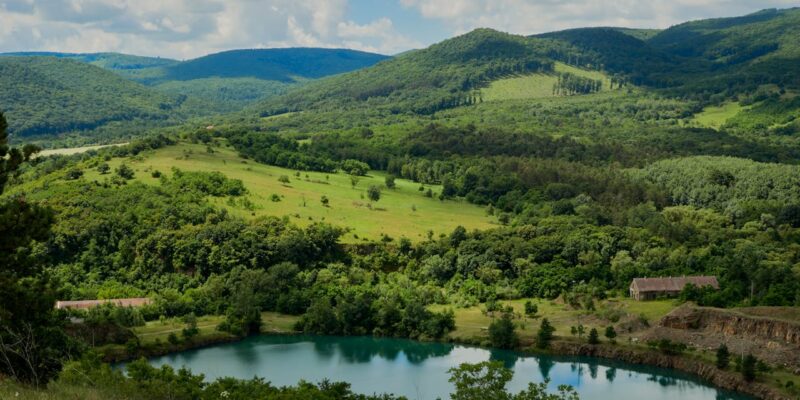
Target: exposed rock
[722, 379]
[773, 340]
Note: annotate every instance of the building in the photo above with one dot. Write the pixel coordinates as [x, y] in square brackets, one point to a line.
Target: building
[651, 288]
[86, 304]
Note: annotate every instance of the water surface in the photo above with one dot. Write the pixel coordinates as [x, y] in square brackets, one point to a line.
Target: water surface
[419, 370]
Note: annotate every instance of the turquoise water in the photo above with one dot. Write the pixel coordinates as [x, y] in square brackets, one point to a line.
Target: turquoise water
[419, 370]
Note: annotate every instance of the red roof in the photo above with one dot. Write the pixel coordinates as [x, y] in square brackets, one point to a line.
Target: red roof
[133, 302]
[671, 284]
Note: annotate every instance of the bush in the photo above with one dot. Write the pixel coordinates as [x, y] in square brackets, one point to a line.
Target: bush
[125, 172]
[594, 337]
[723, 357]
[611, 334]
[545, 334]
[749, 368]
[531, 308]
[502, 332]
[390, 184]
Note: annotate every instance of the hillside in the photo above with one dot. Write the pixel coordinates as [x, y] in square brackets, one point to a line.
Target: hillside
[698, 58]
[441, 76]
[49, 96]
[282, 65]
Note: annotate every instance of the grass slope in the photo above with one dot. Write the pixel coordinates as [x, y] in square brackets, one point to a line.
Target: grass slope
[535, 86]
[392, 215]
[716, 116]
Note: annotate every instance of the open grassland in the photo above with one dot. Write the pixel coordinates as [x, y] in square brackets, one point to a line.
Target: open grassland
[716, 116]
[160, 330]
[536, 86]
[472, 323]
[404, 211]
[74, 150]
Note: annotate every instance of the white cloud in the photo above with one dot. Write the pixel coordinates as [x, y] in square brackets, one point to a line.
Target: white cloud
[537, 16]
[187, 28]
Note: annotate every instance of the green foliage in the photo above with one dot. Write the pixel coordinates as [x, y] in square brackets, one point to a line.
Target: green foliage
[749, 368]
[502, 332]
[545, 334]
[487, 380]
[125, 172]
[723, 357]
[389, 181]
[594, 337]
[32, 338]
[46, 95]
[611, 333]
[374, 193]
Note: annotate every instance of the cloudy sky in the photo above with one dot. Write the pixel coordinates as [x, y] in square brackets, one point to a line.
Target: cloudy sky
[189, 28]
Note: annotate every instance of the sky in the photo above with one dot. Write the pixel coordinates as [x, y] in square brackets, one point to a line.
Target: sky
[184, 29]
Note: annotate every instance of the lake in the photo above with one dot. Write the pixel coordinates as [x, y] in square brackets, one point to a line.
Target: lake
[418, 370]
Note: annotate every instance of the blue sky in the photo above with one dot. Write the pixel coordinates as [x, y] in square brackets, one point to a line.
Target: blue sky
[189, 28]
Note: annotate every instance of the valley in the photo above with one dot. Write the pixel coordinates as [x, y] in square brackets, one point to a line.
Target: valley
[591, 199]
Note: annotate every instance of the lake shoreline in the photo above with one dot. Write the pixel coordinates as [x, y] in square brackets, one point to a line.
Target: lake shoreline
[705, 371]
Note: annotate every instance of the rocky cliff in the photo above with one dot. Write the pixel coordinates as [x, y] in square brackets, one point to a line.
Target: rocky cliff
[774, 340]
[723, 379]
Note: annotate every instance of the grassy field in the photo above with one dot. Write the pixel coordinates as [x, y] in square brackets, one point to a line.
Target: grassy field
[535, 86]
[716, 116]
[159, 330]
[401, 212]
[472, 323]
[74, 150]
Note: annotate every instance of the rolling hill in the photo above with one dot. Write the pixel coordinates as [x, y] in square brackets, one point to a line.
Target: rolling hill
[49, 96]
[441, 76]
[230, 80]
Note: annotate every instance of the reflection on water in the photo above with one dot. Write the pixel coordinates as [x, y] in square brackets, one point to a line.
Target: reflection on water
[419, 370]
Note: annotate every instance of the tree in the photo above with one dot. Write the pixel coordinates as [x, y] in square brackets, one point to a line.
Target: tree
[390, 184]
[32, 339]
[502, 332]
[324, 200]
[191, 329]
[74, 173]
[749, 368]
[103, 168]
[594, 337]
[124, 172]
[545, 334]
[284, 179]
[354, 181]
[531, 308]
[723, 357]
[374, 193]
[611, 334]
[486, 380]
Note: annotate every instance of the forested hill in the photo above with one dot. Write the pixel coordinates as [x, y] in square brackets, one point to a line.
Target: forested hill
[283, 65]
[48, 95]
[111, 61]
[441, 76]
[729, 55]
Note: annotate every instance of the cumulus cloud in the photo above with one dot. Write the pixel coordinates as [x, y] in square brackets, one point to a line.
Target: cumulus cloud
[191, 28]
[538, 16]
[188, 28]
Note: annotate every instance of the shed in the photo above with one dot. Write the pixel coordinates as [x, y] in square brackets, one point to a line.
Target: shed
[651, 288]
[86, 304]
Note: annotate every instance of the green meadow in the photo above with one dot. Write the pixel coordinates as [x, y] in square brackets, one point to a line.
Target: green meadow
[404, 211]
[716, 116]
[536, 86]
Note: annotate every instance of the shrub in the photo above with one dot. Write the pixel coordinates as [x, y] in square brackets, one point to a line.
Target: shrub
[545, 334]
[594, 337]
[502, 332]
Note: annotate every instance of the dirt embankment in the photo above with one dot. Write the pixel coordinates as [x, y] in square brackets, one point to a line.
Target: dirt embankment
[722, 379]
[776, 341]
